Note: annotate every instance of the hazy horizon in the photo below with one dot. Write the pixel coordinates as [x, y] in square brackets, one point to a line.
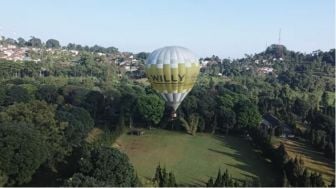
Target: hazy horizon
[223, 28]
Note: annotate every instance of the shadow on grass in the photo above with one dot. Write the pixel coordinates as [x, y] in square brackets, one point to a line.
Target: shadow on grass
[248, 160]
[306, 150]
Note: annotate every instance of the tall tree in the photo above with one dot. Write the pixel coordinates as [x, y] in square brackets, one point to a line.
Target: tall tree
[34, 42]
[104, 167]
[247, 114]
[53, 43]
[22, 151]
[151, 108]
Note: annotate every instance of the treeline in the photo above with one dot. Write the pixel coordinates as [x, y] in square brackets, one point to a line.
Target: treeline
[321, 132]
[295, 174]
[226, 107]
[43, 131]
[163, 178]
[53, 43]
[41, 144]
[87, 65]
[292, 171]
[226, 180]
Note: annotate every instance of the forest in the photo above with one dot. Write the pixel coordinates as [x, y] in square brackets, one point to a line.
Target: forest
[48, 108]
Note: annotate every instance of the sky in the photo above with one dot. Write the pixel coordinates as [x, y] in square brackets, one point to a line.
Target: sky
[227, 28]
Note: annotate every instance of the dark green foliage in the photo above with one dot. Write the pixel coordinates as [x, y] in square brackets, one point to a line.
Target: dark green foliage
[301, 107]
[164, 179]
[74, 94]
[104, 167]
[34, 42]
[77, 122]
[225, 180]
[52, 43]
[298, 175]
[281, 155]
[80, 180]
[151, 108]
[189, 104]
[226, 118]
[41, 116]
[94, 103]
[18, 93]
[210, 183]
[329, 150]
[214, 104]
[22, 151]
[48, 93]
[247, 114]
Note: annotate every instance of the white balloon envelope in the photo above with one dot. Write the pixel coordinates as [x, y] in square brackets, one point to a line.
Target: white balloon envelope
[172, 71]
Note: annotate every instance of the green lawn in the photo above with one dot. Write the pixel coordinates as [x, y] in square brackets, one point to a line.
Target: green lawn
[194, 158]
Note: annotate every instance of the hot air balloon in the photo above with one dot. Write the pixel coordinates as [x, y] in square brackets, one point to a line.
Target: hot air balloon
[172, 72]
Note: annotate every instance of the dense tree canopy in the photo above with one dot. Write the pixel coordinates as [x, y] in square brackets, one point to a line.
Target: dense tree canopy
[151, 108]
[104, 167]
[22, 150]
[42, 117]
[52, 43]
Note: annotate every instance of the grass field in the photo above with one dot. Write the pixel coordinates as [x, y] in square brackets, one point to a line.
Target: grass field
[313, 159]
[193, 159]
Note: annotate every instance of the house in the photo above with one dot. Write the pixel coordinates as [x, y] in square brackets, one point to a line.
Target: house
[271, 122]
[204, 63]
[265, 70]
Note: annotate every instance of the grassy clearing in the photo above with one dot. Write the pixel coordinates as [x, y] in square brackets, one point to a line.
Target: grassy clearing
[194, 158]
[313, 159]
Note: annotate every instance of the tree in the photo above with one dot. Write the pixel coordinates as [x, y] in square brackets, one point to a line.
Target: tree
[158, 174]
[281, 156]
[21, 42]
[104, 166]
[218, 181]
[225, 180]
[17, 93]
[71, 46]
[210, 183]
[42, 117]
[207, 110]
[151, 108]
[164, 179]
[34, 42]
[301, 107]
[191, 124]
[80, 180]
[247, 114]
[22, 151]
[285, 182]
[10, 41]
[227, 118]
[53, 43]
[329, 150]
[171, 180]
[48, 93]
[78, 123]
[189, 105]
[142, 55]
[94, 103]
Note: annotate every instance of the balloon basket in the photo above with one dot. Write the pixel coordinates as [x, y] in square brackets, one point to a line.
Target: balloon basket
[173, 115]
